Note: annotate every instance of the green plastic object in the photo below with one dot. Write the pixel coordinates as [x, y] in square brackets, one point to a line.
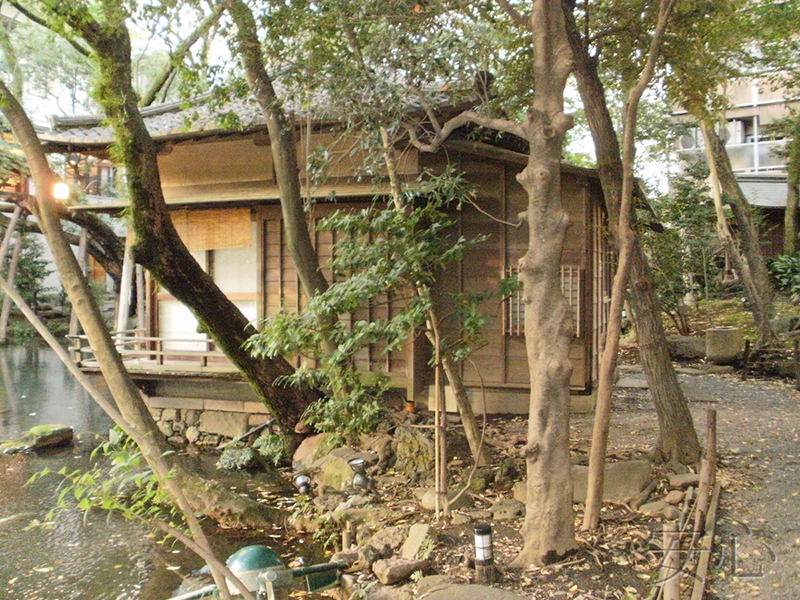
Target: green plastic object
[246, 563]
[253, 558]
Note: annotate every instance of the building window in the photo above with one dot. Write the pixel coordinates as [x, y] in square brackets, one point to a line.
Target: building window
[571, 278]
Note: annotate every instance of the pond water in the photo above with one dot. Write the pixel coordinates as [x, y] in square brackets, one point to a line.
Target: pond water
[99, 557]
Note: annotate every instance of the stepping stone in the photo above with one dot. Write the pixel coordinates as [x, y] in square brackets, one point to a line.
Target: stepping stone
[632, 382]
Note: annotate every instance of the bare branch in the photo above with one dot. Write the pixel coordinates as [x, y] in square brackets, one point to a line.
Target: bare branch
[517, 17]
[183, 48]
[464, 118]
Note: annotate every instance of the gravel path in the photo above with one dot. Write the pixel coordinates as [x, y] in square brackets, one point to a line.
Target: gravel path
[757, 548]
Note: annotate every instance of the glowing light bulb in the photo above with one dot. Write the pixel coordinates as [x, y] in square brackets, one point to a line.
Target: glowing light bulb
[61, 191]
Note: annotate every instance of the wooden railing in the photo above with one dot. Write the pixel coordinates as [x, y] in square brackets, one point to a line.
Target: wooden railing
[133, 344]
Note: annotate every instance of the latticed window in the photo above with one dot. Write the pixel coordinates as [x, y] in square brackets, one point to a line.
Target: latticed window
[571, 277]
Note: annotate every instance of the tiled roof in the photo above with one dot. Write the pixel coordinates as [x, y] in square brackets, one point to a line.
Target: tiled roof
[164, 122]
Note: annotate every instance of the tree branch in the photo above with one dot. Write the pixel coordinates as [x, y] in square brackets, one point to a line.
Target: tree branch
[466, 117]
[183, 48]
[43, 22]
[517, 17]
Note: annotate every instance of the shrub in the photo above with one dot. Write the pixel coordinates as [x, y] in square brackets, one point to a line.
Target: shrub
[785, 273]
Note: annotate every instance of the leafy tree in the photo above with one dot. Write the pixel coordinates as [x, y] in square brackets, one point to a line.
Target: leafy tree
[158, 246]
[132, 414]
[32, 271]
[620, 53]
[774, 26]
[701, 62]
[683, 255]
[379, 254]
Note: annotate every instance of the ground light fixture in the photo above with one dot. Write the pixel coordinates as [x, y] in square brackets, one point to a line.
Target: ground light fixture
[302, 482]
[484, 559]
[361, 480]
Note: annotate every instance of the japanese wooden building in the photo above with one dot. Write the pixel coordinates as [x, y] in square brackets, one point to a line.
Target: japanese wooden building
[221, 190]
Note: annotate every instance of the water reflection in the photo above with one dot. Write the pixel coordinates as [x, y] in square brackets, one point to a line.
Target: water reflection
[98, 558]
[37, 389]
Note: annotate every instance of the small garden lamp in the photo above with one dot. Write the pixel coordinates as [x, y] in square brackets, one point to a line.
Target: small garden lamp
[483, 544]
[361, 480]
[302, 482]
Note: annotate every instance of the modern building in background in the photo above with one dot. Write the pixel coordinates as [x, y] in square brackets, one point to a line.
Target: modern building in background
[751, 142]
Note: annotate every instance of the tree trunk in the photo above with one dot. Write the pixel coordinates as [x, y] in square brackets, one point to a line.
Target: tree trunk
[677, 436]
[626, 239]
[749, 258]
[205, 496]
[793, 183]
[548, 530]
[790, 217]
[12, 272]
[158, 246]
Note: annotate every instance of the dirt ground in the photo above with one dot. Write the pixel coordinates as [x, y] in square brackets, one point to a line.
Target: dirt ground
[757, 545]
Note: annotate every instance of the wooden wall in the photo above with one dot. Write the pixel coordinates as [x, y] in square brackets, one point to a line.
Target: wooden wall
[280, 286]
[502, 357]
[195, 174]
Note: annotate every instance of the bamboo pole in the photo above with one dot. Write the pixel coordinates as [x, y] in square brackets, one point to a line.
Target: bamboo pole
[12, 225]
[670, 576]
[701, 575]
[125, 286]
[12, 273]
[82, 245]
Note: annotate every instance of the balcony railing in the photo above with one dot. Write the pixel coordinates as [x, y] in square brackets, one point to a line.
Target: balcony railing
[751, 157]
[154, 353]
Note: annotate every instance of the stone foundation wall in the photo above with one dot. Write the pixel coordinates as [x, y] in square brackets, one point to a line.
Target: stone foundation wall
[205, 422]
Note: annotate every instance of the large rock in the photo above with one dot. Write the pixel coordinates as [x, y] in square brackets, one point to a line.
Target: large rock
[41, 436]
[621, 481]
[506, 509]
[334, 469]
[388, 540]
[308, 452]
[686, 347]
[787, 324]
[428, 500]
[723, 344]
[436, 588]
[417, 534]
[394, 570]
[684, 480]
[414, 453]
[227, 424]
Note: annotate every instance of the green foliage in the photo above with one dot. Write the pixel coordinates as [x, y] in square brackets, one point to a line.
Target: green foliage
[307, 515]
[31, 271]
[379, 254]
[120, 482]
[270, 447]
[785, 273]
[683, 256]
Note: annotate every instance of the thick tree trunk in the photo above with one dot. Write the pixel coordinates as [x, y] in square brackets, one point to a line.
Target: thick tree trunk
[677, 435]
[626, 239]
[284, 151]
[748, 257]
[158, 246]
[548, 530]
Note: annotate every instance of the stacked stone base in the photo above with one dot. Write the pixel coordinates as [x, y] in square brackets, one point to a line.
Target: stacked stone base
[205, 422]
